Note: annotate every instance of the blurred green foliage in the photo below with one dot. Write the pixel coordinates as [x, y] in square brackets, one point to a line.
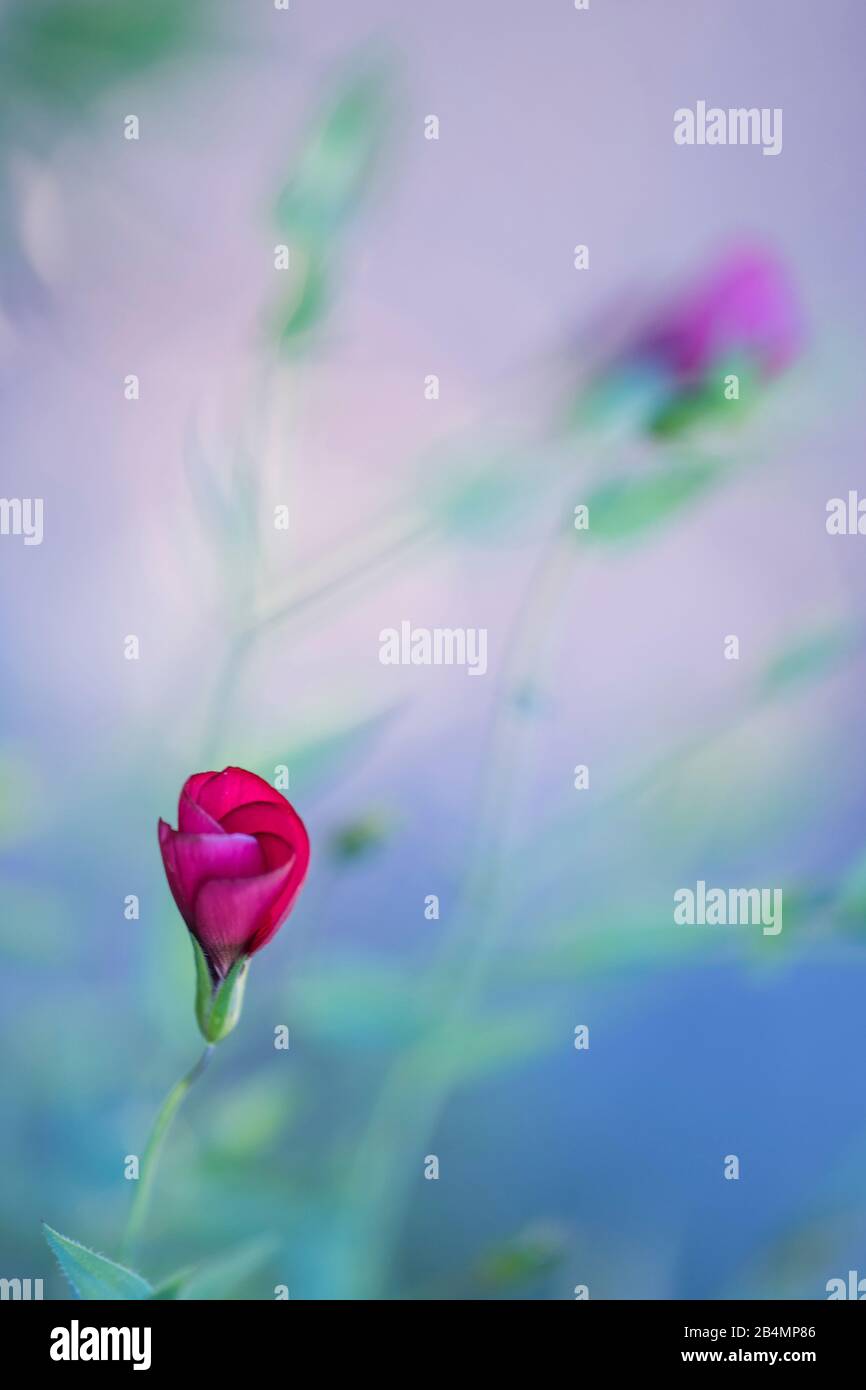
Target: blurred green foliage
[332, 175]
[362, 835]
[65, 53]
[623, 509]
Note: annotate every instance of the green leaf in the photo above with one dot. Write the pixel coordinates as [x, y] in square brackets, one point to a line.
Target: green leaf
[525, 1256]
[492, 1043]
[706, 402]
[222, 1277]
[809, 657]
[250, 1117]
[614, 940]
[362, 835]
[67, 51]
[338, 160]
[323, 752]
[93, 1276]
[171, 1287]
[625, 508]
[481, 493]
[310, 304]
[358, 1002]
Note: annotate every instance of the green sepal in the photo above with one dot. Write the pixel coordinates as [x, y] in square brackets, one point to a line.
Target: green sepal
[218, 1007]
[204, 986]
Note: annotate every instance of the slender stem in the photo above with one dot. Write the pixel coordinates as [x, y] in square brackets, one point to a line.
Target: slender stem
[417, 1087]
[150, 1161]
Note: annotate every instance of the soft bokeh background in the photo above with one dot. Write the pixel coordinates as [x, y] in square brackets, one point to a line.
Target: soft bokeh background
[412, 1037]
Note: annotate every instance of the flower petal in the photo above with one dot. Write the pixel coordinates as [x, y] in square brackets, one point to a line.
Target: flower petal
[166, 846]
[231, 913]
[224, 791]
[198, 858]
[193, 819]
[272, 824]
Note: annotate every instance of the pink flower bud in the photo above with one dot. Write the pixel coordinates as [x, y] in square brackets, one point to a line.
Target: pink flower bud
[234, 864]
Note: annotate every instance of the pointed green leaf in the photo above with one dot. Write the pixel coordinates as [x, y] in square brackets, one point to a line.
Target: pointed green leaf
[93, 1276]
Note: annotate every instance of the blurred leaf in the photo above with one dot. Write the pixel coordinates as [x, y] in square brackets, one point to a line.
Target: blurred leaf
[336, 164]
[625, 396]
[706, 402]
[481, 497]
[762, 752]
[525, 1256]
[93, 1276]
[466, 1054]
[805, 920]
[628, 507]
[67, 51]
[224, 1276]
[358, 1001]
[171, 1287]
[612, 941]
[362, 835]
[323, 753]
[251, 1116]
[810, 656]
[796, 1263]
[311, 300]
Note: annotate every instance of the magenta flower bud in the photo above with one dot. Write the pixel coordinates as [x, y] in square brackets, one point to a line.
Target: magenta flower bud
[234, 865]
[744, 308]
[741, 317]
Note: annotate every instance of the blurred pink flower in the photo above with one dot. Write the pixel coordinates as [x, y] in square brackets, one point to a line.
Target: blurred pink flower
[744, 308]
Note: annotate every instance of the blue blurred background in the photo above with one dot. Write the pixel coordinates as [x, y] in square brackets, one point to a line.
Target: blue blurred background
[259, 388]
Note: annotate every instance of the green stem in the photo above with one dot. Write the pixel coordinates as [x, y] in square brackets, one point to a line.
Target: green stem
[150, 1161]
[418, 1086]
